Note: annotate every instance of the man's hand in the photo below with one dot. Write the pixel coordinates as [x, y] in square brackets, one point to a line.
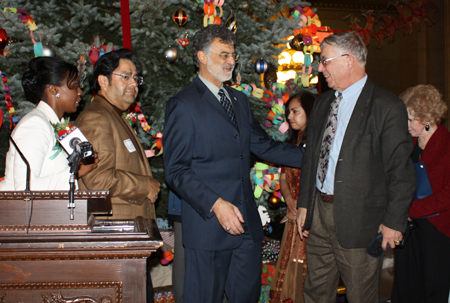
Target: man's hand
[85, 169]
[390, 236]
[229, 217]
[154, 190]
[301, 222]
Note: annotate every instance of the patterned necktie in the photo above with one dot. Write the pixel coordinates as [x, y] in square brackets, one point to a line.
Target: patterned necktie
[328, 138]
[226, 104]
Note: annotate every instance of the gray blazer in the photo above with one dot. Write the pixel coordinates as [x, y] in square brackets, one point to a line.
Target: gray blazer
[375, 177]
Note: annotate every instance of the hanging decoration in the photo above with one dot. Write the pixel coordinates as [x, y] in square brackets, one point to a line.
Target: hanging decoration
[9, 106]
[135, 116]
[170, 54]
[244, 6]
[180, 17]
[410, 13]
[3, 41]
[183, 42]
[231, 23]
[213, 12]
[98, 48]
[81, 66]
[261, 66]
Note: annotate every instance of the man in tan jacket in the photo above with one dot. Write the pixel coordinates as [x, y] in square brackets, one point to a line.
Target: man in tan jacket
[123, 168]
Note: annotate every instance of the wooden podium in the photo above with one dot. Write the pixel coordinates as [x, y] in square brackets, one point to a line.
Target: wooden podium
[46, 257]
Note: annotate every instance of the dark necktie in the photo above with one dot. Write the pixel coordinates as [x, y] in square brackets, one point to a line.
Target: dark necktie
[226, 104]
[328, 138]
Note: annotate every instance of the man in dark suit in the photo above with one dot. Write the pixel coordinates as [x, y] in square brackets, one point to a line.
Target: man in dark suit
[209, 135]
[357, 179]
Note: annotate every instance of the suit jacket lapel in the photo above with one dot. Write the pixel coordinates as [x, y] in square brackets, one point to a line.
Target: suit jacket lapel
[125, 126]
[212, 101]
[358, 113]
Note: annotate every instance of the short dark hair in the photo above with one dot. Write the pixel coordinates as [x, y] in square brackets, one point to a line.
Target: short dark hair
[204, 37]
[107, 63]
[306, 100]
[43, 71]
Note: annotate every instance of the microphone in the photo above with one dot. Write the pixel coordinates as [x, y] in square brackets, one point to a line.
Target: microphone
[27, 181]
[74, 141]
[78, 148]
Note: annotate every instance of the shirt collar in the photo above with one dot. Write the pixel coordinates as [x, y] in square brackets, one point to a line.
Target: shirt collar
[212, 87]
[353, 89]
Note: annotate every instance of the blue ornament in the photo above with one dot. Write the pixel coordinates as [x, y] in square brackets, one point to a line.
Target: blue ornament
[261, 66]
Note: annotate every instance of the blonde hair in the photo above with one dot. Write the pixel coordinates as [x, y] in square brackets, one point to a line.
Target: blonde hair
[425, 103]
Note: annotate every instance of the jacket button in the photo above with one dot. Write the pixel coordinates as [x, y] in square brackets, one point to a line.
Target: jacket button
[240, 201]
[242, 157]
[236, 136]
[242, 179]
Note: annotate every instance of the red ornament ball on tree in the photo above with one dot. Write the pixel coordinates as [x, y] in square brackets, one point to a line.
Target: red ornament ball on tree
[180, 17]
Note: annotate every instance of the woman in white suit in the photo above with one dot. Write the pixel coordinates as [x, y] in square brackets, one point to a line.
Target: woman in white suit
[56, 84]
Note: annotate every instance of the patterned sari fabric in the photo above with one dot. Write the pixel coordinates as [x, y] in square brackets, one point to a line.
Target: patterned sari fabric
[287, 285]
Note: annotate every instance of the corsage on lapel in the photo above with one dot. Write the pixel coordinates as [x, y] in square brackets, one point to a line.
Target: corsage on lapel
[131, 118]
[59, 129]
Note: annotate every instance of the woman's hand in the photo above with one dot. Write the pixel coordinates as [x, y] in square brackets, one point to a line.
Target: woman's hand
[85, 169]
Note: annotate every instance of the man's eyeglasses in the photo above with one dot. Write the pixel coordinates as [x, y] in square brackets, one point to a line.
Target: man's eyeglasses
[225, 55]
[138, 79]
[325, 62]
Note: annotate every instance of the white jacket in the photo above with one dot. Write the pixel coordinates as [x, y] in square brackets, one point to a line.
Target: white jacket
[35, 137]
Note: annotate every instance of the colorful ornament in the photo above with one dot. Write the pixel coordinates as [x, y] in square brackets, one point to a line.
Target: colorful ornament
[48, 51]
[261, 66]
[274, 202]
[98, 48]
[180, 17]
[231, 23]
[170, 54]
[245, 6]
[3, 41]
[297, 43]
[270, 78]
[183, 42]
[9, 106]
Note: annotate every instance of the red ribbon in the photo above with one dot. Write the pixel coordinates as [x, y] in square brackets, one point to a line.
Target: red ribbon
[126, 27]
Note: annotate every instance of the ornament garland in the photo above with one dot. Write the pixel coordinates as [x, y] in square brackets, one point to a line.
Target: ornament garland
[9, 106]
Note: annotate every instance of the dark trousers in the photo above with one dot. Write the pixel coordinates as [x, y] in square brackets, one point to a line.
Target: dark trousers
[235, 272]
[422, 267]
[327, 261]
[178, 264]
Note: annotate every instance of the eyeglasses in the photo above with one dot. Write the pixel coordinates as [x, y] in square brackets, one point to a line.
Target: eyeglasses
[225, 55]
[138, 79]
[325, 62]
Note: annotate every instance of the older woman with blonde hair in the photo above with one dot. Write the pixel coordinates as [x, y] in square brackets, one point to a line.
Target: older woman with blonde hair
[422, 266]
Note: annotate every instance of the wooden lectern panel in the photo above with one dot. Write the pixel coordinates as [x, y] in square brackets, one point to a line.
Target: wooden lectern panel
[62, 260]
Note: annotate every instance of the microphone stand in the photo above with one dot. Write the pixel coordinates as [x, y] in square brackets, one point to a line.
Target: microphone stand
[74, 161]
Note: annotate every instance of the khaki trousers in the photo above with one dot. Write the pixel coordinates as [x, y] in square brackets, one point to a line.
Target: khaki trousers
[327, 261]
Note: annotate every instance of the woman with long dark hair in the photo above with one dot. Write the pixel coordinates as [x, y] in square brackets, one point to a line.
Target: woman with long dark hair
[291, 266]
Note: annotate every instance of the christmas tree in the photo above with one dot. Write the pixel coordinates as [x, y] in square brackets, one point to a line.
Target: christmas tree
[85, 27]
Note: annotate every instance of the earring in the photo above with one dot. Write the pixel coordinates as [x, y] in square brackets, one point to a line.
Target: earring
[427, 127]
[57, 95]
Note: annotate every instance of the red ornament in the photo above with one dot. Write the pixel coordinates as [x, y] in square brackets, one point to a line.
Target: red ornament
[3, 40]
[180, 17]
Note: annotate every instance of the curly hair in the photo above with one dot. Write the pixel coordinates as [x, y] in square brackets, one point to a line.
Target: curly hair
[203, 39]
[425, 103]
